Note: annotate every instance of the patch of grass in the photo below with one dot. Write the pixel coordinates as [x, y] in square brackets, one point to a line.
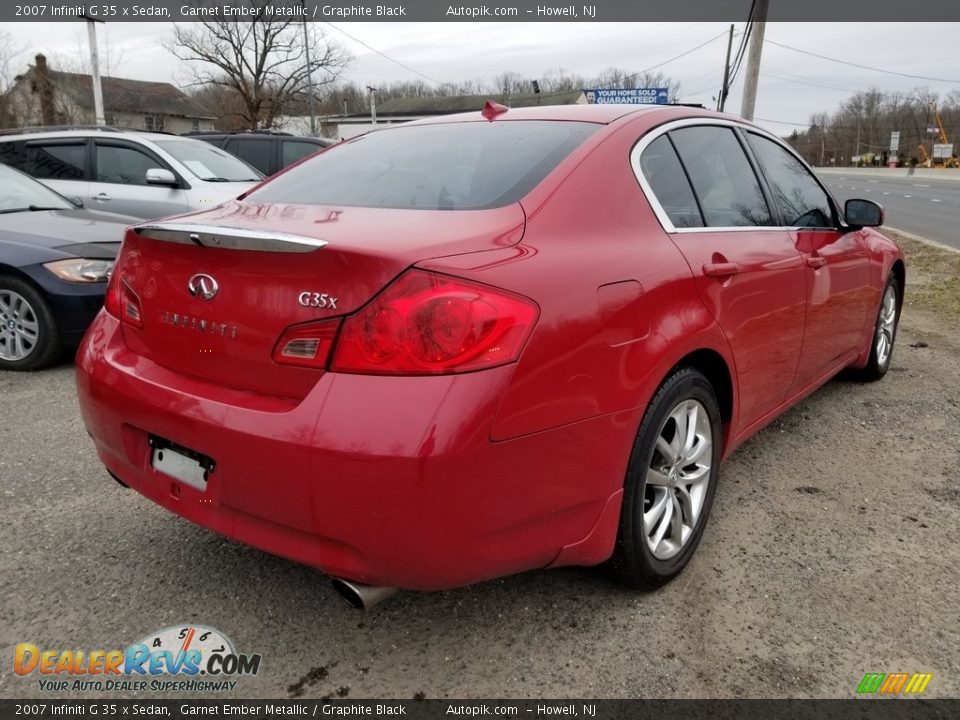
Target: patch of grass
[933, 277]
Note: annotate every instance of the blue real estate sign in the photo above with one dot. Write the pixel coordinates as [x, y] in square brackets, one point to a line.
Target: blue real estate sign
[627, 96]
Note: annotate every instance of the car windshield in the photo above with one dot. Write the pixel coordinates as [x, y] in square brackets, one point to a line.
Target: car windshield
[21, 193]
[208, 162]
[450, 166]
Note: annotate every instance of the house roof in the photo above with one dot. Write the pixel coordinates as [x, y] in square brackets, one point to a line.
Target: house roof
[466, 103]
[125, 95]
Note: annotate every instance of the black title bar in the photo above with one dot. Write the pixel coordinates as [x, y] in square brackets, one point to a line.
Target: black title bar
[862, 709]
[852, 11]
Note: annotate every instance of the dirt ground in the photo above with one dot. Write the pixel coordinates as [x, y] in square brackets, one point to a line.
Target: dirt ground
[833, 550]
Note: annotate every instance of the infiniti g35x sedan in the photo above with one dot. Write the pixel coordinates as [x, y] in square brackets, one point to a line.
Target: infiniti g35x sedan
[472, 346]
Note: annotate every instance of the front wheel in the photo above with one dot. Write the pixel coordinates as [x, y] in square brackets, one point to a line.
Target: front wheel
[28, 331]
[670, 482]
[884, 333]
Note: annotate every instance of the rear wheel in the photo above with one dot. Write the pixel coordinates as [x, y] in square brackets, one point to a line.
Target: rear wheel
[670, 482]
[884, 333]
[28, 331]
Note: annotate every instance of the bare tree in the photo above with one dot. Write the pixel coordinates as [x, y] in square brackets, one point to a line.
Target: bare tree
[9, 52]
[264, 61]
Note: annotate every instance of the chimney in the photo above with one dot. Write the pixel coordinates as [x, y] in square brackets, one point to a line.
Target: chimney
[45, 87]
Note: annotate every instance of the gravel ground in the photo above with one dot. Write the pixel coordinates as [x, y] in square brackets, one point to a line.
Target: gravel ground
[833, 550]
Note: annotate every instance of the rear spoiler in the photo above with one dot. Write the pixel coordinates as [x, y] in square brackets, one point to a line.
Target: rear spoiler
[228, 238]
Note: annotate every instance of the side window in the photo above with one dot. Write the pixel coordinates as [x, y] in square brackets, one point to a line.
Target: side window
[57, 161]
[293, 150]
[11, 155]
[801, 200]
[123, 165]
[256, 152]
[662, 170]
[722, 177]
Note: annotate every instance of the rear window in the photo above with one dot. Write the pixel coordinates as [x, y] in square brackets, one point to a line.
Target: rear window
[456, 166]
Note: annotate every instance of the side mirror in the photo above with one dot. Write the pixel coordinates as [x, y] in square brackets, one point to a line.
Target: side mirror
[75, 199]
[159, 176]
[863, 213]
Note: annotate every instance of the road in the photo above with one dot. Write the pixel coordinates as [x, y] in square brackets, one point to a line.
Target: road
[833, 550]
[923, 206]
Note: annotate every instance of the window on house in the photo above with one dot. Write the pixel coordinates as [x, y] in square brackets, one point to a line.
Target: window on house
[195, 125]
[153, 123]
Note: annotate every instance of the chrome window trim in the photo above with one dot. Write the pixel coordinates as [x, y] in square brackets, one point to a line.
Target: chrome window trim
[644, 142]
[229, 238]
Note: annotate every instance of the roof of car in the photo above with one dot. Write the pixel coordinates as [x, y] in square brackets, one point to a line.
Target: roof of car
[604, 113]
[104, 132]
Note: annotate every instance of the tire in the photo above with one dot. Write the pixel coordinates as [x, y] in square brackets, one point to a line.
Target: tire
[884, 334]
[29, 338]
[655, 480]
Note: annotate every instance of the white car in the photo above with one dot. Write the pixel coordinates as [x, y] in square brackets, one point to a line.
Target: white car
[143, 174]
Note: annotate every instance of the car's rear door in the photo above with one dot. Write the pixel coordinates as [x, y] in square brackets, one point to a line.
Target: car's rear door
[62, 164]
[747, 269]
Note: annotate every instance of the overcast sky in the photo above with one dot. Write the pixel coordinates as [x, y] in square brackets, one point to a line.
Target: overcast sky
[792, 85]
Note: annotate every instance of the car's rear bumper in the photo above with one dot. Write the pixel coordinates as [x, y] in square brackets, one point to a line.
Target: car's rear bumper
[385, 481]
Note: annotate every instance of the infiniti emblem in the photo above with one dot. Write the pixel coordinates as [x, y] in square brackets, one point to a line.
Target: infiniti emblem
[203, 286]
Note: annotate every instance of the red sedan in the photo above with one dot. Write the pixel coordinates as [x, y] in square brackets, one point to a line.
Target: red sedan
[468, 347]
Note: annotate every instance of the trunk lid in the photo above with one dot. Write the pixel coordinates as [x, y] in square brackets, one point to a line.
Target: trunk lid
[217, 289]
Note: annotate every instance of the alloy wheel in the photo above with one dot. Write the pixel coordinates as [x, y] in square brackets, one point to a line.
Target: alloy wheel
[886, 326]
[19, 327]
[677, 479]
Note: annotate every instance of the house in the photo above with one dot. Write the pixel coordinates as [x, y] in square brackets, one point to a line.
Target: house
[405, 109]
[42, 96]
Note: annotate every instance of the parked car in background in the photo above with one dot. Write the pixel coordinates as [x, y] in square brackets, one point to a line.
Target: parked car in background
[267, 152]
[55, 258]
[466, 347]
[143, 174]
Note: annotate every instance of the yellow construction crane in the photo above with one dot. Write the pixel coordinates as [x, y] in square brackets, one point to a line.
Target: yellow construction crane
[950, 162]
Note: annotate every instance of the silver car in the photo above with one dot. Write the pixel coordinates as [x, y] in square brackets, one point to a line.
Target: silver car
[143, 174]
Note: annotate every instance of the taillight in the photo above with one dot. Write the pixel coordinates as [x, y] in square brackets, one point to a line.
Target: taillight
[122, 302]
[306, 345]
[429, 324]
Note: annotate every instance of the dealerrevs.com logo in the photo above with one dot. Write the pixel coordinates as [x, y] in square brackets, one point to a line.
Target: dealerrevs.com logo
[189, 658]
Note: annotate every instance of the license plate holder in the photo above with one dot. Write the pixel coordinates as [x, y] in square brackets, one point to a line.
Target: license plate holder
[181, 463]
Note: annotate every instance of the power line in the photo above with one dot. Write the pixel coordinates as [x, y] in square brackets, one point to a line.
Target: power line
[384, 55]
[807, 82]
[862, 67]
[744, 41]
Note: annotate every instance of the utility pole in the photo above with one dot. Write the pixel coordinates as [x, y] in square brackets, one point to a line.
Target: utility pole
[722, 100]
[373, 105]
[312, 98]
[752, 79]
[95, 70]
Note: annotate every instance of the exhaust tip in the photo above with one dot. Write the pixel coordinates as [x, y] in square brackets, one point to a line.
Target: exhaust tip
[361, 597]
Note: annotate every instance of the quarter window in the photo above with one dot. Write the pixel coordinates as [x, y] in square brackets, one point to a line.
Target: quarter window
[798, 196]
[722, 177]
[294, 150]
[662, 170]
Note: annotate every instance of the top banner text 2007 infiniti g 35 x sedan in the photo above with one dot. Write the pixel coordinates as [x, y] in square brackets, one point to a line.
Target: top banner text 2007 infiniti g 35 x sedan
[473, 346]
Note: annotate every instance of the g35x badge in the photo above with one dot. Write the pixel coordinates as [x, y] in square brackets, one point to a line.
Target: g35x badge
[317, 300]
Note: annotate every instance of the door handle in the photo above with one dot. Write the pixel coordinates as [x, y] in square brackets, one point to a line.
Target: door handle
[100, 196]
[815, 261]
[725, 269]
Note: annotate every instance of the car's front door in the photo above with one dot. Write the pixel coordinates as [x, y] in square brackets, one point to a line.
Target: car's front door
[838, 289]
[748, 271]
[119, 184]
